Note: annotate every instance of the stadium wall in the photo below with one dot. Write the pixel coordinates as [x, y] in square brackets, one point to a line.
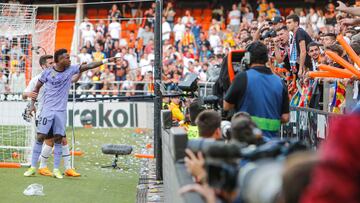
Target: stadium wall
[103, 114]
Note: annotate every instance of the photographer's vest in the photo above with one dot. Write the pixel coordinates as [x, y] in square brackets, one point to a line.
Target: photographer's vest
[263, 101]
[193, 132]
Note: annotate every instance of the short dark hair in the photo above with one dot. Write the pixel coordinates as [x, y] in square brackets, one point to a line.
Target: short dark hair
[195, 108]
[43, 59]
[312, 44]
[58, 53]
[332, 35]
[293, 17]
[208, 121]
[258, 53]
[281, 28]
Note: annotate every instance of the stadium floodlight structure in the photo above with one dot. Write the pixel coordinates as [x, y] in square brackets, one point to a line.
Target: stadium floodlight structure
[21, 37]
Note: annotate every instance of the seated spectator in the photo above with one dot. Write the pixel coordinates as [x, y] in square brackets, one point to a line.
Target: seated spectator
[263, 7]
[128, 85]
[149, 83]
[98, 55]
[272, 11]
[89, 47]
[84, 57]
[179, 30]
[107, 78]
[188, 37]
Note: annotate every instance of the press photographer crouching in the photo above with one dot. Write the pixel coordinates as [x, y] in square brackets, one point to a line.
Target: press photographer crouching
[260, 93]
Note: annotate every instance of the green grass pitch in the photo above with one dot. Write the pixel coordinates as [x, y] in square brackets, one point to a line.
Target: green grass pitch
[95, 184]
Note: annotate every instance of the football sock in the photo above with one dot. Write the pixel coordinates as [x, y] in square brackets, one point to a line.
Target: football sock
[45, 154]
[57, 155]
[66, 156]
[36, 153]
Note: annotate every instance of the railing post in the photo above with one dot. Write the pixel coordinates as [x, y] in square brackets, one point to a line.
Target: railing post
[157, 91]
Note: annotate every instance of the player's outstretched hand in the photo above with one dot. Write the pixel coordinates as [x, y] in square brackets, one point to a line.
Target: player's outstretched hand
[113, 59]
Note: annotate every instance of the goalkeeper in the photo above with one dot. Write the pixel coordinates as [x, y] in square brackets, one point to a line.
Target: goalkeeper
[47, 61]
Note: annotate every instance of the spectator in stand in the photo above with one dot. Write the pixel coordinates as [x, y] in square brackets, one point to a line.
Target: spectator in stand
[272, 11]
[188, 37]
[131, 57]
[101, 27]
[315, 55]
[299, 60]
[149, 79]
[248, 14]
[98, 55]
[169, 14]
[218, 14]
[128, 85]
[234, 18]
[4, 88]
[147, 35]
[303, 19]
[196, 29]
[107, 78]
[330, 15]
[145, 64]
[88, 35]
[329, 39]
[179, 30]
[243, 5]
[131, 40]
[203, 40]
[17, 81]
[187, 20]
[263, 7]
[84, 57]
[120, 70]
[89, 47]
[149, 48]
[166, 30]
[114, 29]
[215, 41]
[149, 15]
[312, 18]
[321, 20]
[114, 12]
[83, 26]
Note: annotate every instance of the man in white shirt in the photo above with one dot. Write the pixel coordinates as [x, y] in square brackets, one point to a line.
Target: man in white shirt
[84, 57]
[88, 35]
[234, 17]
[17, 81]
[86, 23]
[3, 82]
[179, 30]
[114, 29]
[187, 19]
[214, 39]
[131, 57]
[166, 29]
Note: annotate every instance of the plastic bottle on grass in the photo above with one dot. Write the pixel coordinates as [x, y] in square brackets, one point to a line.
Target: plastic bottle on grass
[34, 190]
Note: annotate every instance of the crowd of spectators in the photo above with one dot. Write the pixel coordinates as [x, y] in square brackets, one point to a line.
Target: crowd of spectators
[191, 46]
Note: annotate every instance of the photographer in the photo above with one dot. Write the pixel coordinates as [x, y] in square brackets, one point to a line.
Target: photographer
[260, 93]
[208, 123]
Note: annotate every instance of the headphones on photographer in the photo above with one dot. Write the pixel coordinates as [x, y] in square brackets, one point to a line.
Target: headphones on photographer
[245, 61]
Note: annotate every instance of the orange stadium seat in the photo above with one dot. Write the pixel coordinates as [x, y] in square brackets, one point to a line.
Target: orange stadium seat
[197, 12]
[207, 12]
[92, 12]
[103, 12]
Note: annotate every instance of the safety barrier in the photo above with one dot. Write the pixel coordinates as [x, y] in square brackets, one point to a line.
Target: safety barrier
[307, 124]
[174, 172]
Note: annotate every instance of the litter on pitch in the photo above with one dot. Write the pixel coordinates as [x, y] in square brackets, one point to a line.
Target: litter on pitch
[76, 153]
[144, 156]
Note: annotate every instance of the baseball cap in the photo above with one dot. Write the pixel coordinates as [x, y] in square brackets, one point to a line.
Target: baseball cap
[276, 19]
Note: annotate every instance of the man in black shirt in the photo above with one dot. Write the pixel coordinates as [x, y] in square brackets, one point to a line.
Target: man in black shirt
[260, 93]
[300, 39]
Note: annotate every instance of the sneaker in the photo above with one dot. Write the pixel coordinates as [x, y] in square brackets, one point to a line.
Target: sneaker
[57, 174]
[31, 171]
[45, 171]
[72, 172]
